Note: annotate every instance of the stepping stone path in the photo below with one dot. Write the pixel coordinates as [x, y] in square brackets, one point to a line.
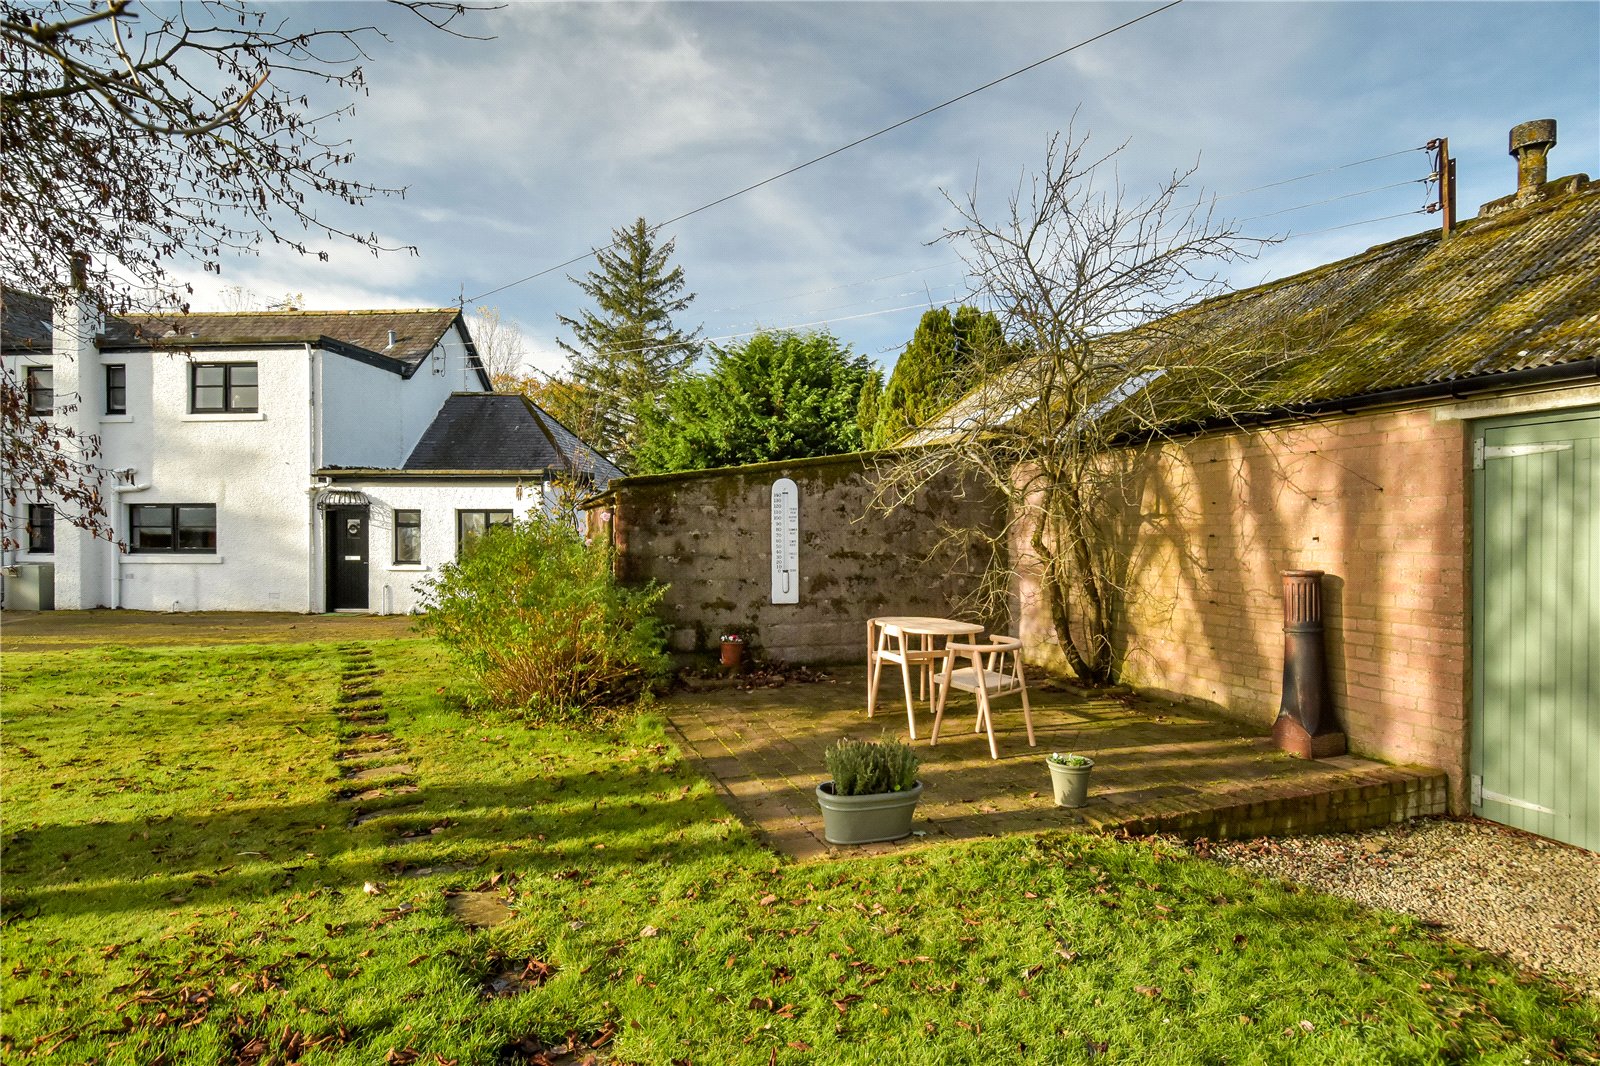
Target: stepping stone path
[373, 766]
[375, 778]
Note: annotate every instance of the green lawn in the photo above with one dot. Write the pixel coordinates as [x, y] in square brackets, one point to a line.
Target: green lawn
[184, 884]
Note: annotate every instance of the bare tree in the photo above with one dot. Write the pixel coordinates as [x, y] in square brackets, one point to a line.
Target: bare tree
[239, 298]
[47, 460]
[1088, 281]
[501, 347]
[140, 138]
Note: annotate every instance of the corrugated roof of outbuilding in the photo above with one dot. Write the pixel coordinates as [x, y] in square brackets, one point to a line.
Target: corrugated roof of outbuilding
[1514, 291]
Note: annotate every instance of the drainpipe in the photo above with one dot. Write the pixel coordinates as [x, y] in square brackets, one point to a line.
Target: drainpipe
[1305, 727]
[313, 421]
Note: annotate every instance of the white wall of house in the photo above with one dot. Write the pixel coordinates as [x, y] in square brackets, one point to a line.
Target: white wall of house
[255, 468]
[373, 417]
[391, 586]
[315, 409]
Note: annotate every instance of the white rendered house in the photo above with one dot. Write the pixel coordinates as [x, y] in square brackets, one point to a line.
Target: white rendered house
[273, 461]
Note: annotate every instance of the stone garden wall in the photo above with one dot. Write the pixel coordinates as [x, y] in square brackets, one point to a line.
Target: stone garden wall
[707, 535]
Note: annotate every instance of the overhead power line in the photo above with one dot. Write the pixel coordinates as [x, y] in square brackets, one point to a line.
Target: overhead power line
[925, 291]
[1319, 173]
[833, 288]
[842, 148]
[1341, 196]
[1220, 196]
[1348, 225]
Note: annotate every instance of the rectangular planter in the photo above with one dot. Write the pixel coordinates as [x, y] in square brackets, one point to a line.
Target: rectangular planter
[866, 819]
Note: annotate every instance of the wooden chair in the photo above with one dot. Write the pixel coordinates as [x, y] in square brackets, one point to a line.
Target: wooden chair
[1000, 674]
[910, 650]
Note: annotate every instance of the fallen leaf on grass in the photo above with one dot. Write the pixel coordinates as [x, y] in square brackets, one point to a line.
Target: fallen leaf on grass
[372, 888]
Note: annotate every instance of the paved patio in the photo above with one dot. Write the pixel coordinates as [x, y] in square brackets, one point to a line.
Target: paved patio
[1160, 767]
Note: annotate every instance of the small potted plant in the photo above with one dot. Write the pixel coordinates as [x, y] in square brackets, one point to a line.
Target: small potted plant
[732, 650]
[872, 794]
[1069, 777]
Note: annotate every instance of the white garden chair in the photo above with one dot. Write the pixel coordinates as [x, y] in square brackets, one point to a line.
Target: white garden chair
[911, 651]
[995, 670]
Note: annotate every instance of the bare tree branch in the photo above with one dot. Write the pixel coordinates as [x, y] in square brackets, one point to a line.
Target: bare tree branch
[1089, 282]
[139, 138]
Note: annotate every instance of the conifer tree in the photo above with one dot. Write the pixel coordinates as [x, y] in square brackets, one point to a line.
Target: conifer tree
[626, 351]
[932, 371]
[775, 396]
[867, 407]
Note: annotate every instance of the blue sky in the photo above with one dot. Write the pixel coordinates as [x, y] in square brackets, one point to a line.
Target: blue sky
[523, 151]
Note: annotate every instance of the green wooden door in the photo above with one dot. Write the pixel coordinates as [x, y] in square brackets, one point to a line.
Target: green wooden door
[1536, 624]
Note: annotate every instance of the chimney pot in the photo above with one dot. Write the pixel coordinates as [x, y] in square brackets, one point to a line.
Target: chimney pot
[1531, 143]
[393, 337]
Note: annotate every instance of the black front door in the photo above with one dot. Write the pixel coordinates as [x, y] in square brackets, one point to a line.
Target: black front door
[347, 559]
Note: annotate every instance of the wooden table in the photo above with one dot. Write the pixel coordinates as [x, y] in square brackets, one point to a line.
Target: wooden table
[907, 640]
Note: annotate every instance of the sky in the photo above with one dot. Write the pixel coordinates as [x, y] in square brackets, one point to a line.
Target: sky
[524, 151]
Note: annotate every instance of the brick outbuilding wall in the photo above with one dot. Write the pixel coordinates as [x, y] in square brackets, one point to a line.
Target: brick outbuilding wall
[1377, 501]
[707, 535]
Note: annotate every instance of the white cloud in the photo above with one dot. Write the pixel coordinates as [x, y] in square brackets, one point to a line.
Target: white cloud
[523, 151]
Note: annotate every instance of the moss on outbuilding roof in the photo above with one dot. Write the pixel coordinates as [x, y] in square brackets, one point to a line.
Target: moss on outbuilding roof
[1510, 292]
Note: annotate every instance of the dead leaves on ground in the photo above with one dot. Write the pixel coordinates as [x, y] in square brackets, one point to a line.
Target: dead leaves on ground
[573, 1049]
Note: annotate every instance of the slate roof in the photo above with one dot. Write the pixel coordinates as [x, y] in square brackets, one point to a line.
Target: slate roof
[363, 334]
[1511, 292]
[417, 331]
[24, 322]
[500, 432]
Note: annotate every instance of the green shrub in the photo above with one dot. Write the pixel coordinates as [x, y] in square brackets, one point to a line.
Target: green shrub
[538, 620]
[869, 767]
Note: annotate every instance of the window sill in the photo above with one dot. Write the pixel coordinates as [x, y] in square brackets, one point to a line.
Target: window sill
[171, 559]
[251, 416]
[116, 418]
[408, 567]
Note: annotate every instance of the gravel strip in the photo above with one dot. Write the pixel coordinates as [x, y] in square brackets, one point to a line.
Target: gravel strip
[1505, 891]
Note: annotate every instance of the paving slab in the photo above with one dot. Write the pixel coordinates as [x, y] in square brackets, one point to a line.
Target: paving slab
[1159, 766]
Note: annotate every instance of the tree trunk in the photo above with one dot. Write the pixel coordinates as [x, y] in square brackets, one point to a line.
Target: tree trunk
[1058, 598]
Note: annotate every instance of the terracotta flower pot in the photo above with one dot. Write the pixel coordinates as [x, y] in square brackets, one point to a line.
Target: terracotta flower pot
[732, 653]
